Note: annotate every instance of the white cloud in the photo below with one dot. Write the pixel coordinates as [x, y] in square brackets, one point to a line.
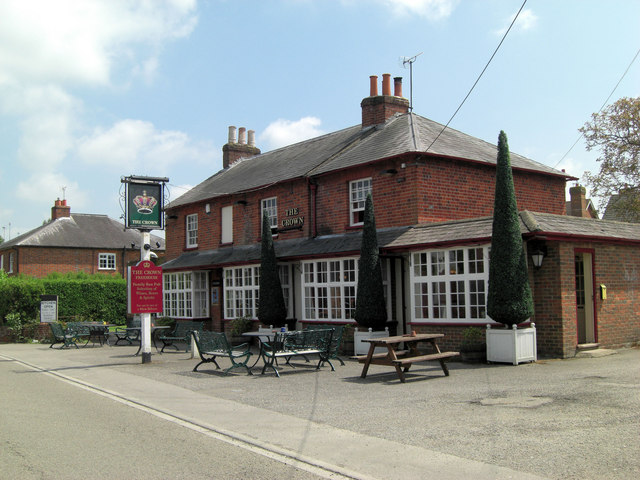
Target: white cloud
[136, 144]
[430, 9]
[179, 190]
[48, 121]
[70, 41]
[527, 20]
[42, 187]
[286, 132]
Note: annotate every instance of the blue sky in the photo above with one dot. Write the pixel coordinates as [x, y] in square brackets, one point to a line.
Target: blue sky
[94, 90]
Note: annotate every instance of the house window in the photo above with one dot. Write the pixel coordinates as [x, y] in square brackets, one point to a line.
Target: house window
[186, 295]
[1, 262]
[450, 284]
[242, 290]
[12, 259]
[270, 206]
[192, 230]
[227, 224]
[106, 261]
[329, 289]
[358, 190]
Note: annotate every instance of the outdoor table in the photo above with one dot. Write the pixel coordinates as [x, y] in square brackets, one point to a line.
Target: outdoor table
[154, 330]
[402, 360]
[97, 331]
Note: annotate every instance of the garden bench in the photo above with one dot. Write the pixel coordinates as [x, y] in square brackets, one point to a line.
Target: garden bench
[81, 331]
[440, 356]
[130, 333]
[336, 339]
[297, 343]
[180, 333]
[215, 344]
[61, 335]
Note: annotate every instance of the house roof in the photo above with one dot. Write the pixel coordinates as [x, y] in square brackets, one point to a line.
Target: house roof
[402, 239]
[353, 146]
[81, 231]
[617, 208]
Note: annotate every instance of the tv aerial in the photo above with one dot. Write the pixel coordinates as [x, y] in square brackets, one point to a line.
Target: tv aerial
[410, 61]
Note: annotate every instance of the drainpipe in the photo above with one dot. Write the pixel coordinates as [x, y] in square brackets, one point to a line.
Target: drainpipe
[314, 191]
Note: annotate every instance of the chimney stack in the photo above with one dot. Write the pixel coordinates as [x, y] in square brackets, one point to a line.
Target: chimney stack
[60, 209]
[377, 109]
[578, 202]
[397, 86]
[234, 150]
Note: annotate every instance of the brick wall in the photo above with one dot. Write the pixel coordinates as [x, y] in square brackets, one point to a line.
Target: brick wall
[617, 318]
[41, 261]
[419, 191]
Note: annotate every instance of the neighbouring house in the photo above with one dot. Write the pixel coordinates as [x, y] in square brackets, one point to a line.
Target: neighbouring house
[433, 204]
[74, 242]
[618, 207]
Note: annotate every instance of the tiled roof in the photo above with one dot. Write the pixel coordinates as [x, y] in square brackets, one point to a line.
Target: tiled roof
[418, 236]
[81, 231]
[401, 134]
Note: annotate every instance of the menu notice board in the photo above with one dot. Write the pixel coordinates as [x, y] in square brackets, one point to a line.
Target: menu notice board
[145, 288]
[48, 308]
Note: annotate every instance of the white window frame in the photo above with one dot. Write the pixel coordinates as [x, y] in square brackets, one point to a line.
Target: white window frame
[186, 294]
[106, 261]
[242, 290]
[329, 288]
[450, 285]
[2, 262]
[191, 230]
[270, 205]
[12, 259]
[226, 223]
[358, 190]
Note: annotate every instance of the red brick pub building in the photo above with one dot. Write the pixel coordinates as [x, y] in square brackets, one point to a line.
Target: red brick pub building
[433, 205]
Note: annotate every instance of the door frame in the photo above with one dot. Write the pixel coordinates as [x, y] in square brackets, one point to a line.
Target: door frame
[594, 319]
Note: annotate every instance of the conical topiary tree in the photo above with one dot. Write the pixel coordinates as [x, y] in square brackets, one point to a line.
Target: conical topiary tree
[271, 308]
[509, 300]
[371, 311]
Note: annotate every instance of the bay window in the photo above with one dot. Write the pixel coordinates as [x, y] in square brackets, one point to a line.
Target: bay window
[450, 285]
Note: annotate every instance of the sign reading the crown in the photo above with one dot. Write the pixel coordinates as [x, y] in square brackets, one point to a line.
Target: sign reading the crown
[144, 206]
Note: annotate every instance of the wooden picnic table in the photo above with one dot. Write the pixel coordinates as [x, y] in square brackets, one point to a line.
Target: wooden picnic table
[402, 360]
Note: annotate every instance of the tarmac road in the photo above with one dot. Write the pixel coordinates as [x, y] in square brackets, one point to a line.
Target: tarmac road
[559, 419]
[50, 429]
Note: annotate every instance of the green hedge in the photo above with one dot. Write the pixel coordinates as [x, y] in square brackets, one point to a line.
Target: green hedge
[81, 296]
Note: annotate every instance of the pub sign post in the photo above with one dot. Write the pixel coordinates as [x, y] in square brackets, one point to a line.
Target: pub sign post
[144, 210]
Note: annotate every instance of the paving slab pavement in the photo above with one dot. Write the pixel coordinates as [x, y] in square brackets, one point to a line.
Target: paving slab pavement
[554, 419]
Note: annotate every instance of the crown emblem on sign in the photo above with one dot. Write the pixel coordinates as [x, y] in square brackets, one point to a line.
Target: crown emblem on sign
[144, 203]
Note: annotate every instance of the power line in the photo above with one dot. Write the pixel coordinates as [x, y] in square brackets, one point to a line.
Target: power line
[601, 108]
[479, 77]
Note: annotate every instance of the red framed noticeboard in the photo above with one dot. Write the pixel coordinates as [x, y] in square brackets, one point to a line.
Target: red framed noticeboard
[145, 288]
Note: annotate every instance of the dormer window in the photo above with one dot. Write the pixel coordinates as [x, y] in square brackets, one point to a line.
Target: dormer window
[358, 190]
[270, 206]
[192, 230]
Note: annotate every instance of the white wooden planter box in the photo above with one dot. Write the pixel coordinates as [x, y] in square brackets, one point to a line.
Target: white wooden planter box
[512, 345]
[362, 348]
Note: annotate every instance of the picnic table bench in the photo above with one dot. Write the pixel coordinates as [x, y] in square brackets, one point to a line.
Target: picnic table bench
[297, 343]
[402, 360]
[180, 333]
[215, 344]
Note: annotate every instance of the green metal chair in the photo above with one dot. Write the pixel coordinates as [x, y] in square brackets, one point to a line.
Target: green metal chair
[215, 344]
[60, 335]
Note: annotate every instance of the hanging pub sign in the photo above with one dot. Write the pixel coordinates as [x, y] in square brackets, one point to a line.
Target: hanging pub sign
[144, 204]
